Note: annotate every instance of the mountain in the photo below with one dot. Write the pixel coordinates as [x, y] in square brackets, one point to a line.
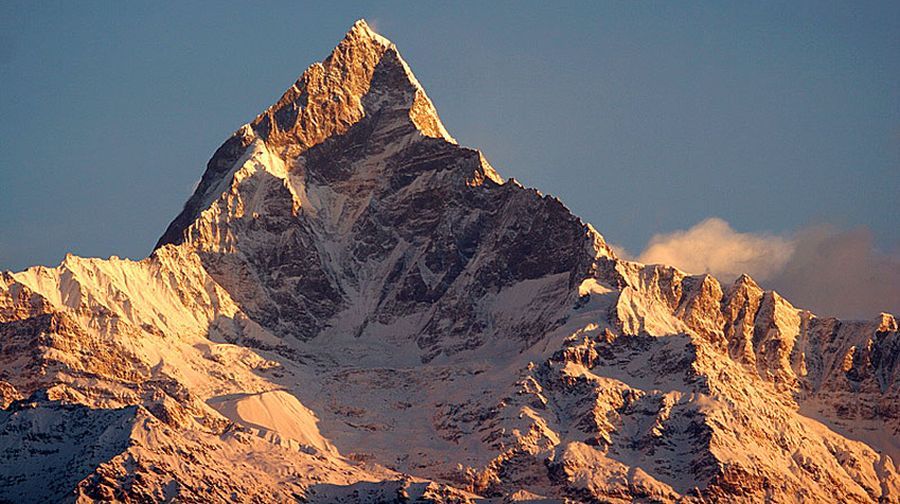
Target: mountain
[351, 307]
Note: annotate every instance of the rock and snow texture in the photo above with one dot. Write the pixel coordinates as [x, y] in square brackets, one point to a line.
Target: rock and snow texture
[354, 308]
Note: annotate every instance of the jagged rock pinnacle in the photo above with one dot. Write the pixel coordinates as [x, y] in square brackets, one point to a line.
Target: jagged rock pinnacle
[364, 76]
[362, 29]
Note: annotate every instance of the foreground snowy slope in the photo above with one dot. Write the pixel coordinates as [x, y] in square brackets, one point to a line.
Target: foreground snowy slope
[352, 307]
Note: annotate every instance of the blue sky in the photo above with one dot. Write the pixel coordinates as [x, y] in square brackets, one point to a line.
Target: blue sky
[643, 117]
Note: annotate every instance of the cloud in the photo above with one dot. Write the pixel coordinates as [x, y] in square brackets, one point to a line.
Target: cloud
[824, 269]
[834, 272]
[712, 246]
[374, 24]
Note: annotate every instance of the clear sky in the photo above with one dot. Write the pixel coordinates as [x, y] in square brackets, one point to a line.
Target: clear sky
[645, 118]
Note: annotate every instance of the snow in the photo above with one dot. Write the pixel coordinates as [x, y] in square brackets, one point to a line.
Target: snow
[276, 411]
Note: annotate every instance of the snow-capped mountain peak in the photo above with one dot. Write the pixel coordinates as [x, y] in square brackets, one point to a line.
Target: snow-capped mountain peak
[364, 75]
[353, 308]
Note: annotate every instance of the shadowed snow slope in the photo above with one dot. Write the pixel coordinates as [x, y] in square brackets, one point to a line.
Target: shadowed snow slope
[353, 308]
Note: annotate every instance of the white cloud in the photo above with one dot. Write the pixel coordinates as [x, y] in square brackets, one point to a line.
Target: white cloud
[822, 268]
[712, 246]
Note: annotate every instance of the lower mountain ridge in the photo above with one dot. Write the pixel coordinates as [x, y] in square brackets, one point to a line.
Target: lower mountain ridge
[353, 308]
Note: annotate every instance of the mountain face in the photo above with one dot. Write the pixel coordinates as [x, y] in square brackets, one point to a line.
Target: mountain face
[353, 308]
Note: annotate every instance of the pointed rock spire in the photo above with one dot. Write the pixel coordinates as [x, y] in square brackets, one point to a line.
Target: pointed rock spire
[361, 29]
[746, 282]
[364, 75]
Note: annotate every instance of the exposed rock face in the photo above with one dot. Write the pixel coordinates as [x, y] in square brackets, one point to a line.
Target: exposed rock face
[353, 307]
[351, 206]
